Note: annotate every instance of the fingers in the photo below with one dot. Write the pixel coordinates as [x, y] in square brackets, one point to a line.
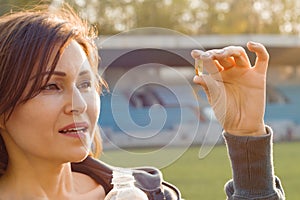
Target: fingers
[196, 54]
[217, 60]
[262, 56]
[211, 86]
[199, 80]
[233, 56]
[208, 61]
[225, 63]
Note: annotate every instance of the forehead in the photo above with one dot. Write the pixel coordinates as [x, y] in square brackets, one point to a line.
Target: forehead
[73, 59]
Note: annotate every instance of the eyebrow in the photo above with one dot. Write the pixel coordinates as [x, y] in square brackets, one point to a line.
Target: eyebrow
[59, 73]
[84, 72]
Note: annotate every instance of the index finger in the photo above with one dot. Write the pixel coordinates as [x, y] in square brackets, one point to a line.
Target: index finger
[207, 61]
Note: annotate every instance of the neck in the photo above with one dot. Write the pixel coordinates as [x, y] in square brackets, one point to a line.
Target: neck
[38, 178]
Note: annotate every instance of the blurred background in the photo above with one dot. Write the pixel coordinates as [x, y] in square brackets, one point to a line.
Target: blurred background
[153, 108]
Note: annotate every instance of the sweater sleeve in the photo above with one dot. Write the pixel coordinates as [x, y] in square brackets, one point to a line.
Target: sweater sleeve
[252, 168]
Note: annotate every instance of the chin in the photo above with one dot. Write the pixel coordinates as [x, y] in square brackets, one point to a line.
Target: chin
[79, 155]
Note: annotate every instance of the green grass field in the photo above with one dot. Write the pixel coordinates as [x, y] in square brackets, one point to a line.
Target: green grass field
[205, 178]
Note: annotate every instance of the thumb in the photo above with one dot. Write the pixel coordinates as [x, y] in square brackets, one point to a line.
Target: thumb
[262, 56]
[199, 80]
[211, 87]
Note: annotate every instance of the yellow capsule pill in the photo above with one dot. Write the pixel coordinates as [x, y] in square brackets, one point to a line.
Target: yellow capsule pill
[198, 67]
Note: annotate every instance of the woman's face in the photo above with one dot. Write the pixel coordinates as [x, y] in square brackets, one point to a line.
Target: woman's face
[59, 123]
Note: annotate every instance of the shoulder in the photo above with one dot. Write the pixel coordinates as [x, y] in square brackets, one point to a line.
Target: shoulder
[86, 187]
[100, 172]
[148, 179]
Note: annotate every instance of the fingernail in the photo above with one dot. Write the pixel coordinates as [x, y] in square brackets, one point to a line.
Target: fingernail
[197, 78]
[219, 51]
[253, 43]
[205, 54]
[196, 53]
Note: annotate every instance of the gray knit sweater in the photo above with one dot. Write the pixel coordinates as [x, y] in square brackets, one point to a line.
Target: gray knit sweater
[252, 168]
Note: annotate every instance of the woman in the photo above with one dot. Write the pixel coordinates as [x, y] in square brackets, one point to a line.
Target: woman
[49, 107]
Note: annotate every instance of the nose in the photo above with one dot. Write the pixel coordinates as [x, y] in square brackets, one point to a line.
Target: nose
[76, 103]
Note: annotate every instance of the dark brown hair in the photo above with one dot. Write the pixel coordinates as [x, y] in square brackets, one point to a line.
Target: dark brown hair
[31, 43]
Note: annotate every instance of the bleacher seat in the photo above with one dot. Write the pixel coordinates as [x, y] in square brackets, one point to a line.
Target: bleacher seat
[119, 115]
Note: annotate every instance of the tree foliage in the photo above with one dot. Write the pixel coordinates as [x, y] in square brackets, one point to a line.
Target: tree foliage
[7, 6]
[191, 17]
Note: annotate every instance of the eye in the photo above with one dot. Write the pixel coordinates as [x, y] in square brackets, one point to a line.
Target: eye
[84, 85]
[51, 86]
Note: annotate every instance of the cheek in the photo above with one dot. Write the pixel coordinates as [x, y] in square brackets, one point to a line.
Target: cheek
[93, 106]
[30, 125]
[24, 116]
[36, 115]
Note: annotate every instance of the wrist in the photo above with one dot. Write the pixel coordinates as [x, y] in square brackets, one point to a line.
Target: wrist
[258, 131]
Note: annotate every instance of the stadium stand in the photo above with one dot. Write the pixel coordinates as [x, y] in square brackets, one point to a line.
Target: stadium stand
[155, 107]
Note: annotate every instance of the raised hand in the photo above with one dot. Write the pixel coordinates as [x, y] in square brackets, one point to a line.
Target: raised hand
[235, 89]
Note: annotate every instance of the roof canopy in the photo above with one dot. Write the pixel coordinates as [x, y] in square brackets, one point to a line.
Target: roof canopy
[130, 51]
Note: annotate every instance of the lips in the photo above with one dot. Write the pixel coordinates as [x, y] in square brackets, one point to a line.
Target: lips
[74, 128]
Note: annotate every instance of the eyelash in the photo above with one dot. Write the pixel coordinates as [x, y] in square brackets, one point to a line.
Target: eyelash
[84, 85]
[50, 87]
[53, 86]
